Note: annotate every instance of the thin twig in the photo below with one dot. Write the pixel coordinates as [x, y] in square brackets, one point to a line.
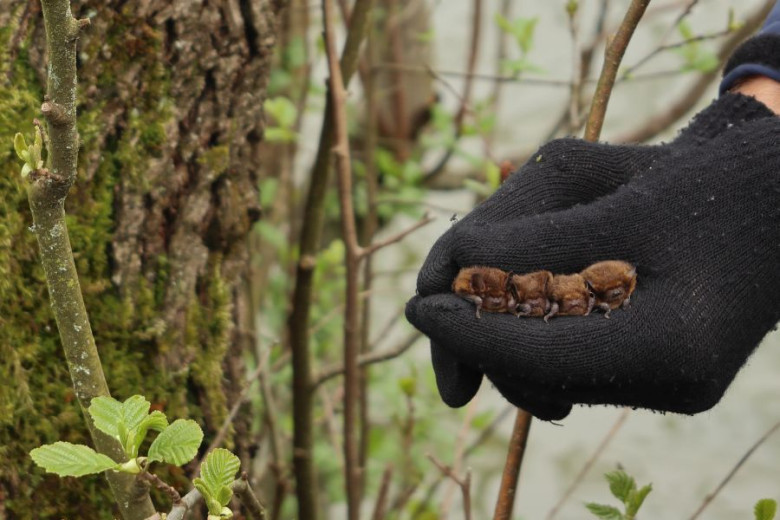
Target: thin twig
[244, 492]
[612, 58]
[381, 497]
[458, 453]
[298, 321]
[188, 501]
[476, 23]
[376, 246]
[464, 483]
[369, 359]
[690, 97]
[710, 497]
[341, 151]
[589, 464]
[514, 460]
[703, 37]
[575, 94]
[157, 482]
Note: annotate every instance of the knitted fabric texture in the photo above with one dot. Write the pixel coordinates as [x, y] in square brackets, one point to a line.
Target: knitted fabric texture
[699, 219]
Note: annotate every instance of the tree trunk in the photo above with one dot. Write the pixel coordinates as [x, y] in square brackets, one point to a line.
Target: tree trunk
[170, 118]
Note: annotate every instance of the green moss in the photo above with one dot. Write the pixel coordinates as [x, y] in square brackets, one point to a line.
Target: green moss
[39, 405]
[208, 326]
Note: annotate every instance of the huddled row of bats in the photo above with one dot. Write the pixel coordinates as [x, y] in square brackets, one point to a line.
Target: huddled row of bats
[604, 285]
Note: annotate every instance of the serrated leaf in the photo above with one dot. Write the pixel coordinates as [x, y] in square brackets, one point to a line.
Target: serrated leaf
[605, 512]
[178, 443]
[134, 410]
[636, 498]
[201, 486]
[219, 469]
[71, 460]
[620, 484]
[154, 421]
[20, 146]
[224, 495]
[765, 509]
[106, 413]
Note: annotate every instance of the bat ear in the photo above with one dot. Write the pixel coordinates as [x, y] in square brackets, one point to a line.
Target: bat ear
[509, 277]
[632, 272]
[478, 281]
[589, 286]
[548, 280]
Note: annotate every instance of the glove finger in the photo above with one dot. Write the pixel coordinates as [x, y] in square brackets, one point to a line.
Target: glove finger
[539, 403]
[457, 383]
[439, 269]
[566, 172]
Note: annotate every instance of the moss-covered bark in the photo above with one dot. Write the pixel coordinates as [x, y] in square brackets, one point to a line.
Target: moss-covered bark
[170, 117]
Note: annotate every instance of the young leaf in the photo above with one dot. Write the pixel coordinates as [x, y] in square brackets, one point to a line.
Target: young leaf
[635, 500]
[224, 495]
[178, 443]
[620, 484]
[20, 146]
[106, 412]
[219, 469]
[134, 410]
[765, 509]
[71, 460]
[154, 421]
[604, 512]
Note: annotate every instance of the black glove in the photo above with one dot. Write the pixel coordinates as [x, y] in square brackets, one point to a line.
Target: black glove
[699, 219]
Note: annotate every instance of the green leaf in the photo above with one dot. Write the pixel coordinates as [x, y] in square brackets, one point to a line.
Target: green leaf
[178, 443]
[219, 469]
[224, 495]
[21, 147]
[620, 484]
[26, 170]
[283, 111]
[635, 500]
[134, 410]
[275, 134]
[492, 174]
[201, 486]
[765, 509]
[605, 512]
[106, 413]
[154, 421]
[71, 460]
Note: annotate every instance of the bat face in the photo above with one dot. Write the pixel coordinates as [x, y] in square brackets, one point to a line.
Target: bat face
[569, 296]
[612, 282]
[530, 293]
[486, 287]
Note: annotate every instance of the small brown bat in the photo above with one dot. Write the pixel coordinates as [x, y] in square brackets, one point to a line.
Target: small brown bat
[612, 282]
[530, 293]
[569, 295]
[487, 287]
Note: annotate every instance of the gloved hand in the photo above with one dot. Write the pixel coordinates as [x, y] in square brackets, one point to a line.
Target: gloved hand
[699, 219]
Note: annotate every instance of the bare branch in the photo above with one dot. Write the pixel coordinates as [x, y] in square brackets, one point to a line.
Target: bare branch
[589, 464]
[514, 460]
[710, 497]
[612, 58]
[690, 97]
[464, 483]
[244, 492]
[376, 246]
[381, 498]
[188, 501]
[369, 359]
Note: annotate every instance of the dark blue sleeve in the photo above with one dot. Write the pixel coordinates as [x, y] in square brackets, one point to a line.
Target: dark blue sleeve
[758, 56]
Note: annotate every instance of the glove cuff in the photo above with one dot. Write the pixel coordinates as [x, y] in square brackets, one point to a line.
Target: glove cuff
[725, 112]
[758, 56]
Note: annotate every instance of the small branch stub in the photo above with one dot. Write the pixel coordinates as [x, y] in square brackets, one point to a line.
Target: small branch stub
[55, 114]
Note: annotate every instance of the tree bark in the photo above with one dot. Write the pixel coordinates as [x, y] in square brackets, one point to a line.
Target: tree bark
[170, 118]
